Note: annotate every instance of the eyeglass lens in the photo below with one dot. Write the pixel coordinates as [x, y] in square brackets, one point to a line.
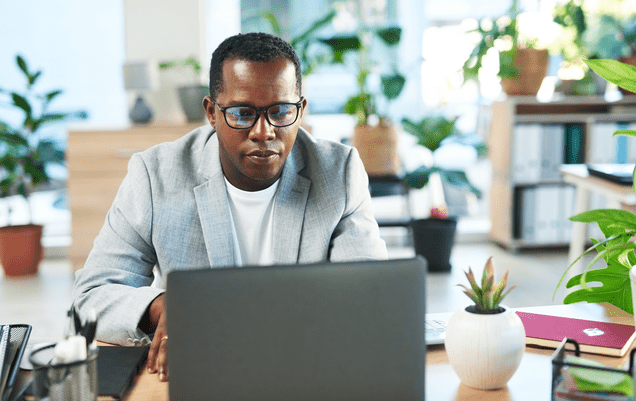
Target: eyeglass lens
[279, 115]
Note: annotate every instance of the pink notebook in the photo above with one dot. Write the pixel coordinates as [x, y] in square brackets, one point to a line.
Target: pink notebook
[611, 339]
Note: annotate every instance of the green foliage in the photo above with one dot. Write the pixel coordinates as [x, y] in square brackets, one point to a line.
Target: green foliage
[618, 227]
[489, 295]
[430, 132]
[503, 28]
[310, 57]
[24, 155]
[365, 103]
[623, 75]
[190, 64]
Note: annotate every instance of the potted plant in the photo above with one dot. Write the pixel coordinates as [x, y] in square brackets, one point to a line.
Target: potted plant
[375, 136]
[434, 237]
[191, 96]
[521, 66]
[485, 341]
[618, 226]
[24, 157]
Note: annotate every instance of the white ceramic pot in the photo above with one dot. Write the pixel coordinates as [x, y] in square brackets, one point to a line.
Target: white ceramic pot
[485, 350]
[632, 278]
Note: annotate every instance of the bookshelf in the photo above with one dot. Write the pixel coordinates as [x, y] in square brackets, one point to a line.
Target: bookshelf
[528, 141]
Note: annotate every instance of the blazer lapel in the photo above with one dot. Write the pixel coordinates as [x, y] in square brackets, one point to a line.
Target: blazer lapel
[289, 210]
[213, 209]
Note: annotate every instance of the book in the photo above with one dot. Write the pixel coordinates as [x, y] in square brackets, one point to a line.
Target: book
[603, 338]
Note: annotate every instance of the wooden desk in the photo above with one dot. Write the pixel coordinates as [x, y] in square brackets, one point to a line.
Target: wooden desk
[618, 196]
[531, 382]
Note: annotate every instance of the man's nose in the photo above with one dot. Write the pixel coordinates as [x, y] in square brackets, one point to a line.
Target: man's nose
[262, 129]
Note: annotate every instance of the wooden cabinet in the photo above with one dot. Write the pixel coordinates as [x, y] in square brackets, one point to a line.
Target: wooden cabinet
[97, 163]
[528, 141]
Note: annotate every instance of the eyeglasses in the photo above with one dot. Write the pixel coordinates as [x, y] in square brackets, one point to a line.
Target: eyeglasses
[278, 115]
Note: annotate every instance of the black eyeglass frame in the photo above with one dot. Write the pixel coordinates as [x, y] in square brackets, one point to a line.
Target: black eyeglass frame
[264, 110]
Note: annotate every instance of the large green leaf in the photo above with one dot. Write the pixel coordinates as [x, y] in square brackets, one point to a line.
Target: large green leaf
[621, 74]
[614, 288]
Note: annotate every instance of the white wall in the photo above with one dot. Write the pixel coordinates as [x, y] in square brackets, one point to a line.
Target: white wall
[162, 30]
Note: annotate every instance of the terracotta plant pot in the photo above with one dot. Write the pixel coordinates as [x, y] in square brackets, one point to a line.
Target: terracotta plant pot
[20, 249]
[378, 148]
[532, 65]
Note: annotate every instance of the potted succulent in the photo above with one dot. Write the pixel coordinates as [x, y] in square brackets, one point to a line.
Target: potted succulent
[485, 341]
[191, 96]
[618, 226]
[433, 237]
[24, 157]
[521, 66]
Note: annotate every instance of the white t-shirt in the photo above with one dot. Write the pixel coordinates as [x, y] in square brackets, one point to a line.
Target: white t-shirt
[252, 215]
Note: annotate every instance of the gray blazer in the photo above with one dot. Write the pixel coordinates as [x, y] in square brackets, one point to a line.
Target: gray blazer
[171, 212]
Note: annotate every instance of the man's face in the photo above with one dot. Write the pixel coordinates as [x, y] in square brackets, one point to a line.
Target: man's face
[252, 159]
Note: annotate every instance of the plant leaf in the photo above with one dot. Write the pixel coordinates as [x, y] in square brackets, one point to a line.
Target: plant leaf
[615, 287]
[392, 85]
[621, 74]
[390, 36]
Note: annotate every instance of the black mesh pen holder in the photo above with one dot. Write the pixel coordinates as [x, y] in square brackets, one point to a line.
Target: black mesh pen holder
[63, 381]
[580, 381]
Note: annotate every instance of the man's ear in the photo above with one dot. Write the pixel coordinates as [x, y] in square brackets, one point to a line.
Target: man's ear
[303, 108]
[208, 105]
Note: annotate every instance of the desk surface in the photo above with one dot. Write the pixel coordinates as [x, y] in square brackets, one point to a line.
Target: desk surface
[532, 380]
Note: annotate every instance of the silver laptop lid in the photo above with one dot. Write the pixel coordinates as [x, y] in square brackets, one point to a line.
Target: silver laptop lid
[343, 331]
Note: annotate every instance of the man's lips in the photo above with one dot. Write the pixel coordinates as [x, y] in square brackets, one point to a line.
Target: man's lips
[262, 156]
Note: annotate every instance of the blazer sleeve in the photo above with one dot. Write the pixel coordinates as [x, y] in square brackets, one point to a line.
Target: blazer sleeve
[357, 235]
[117, 276]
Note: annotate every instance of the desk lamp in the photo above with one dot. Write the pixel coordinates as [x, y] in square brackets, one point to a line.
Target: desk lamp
[140, 76]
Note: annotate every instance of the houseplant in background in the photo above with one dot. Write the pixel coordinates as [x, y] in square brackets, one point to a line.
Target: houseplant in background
[191, 96]
[618, 226]
[522, 67]
[485, 341]
[375, 135]
[24, 156]
[433, 237]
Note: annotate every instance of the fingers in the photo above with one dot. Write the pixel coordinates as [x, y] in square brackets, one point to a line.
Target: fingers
[158, 356]
[153, 352]
[162, 360]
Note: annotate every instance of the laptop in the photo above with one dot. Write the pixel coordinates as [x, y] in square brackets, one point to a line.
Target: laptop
[618, 173]
[329, 331]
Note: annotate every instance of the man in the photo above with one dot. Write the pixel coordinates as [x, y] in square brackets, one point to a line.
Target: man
[255, 189]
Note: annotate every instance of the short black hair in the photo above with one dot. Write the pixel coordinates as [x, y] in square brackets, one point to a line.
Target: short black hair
[254, 46]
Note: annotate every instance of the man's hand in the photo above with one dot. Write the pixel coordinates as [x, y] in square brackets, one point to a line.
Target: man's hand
[158, 353]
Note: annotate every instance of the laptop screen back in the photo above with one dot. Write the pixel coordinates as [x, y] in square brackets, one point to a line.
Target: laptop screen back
[338, 331]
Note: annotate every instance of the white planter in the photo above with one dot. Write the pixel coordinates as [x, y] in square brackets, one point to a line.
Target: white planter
[485, 350]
